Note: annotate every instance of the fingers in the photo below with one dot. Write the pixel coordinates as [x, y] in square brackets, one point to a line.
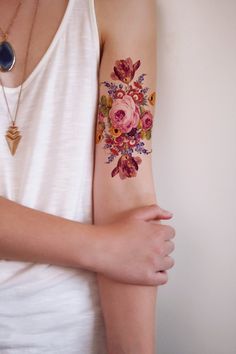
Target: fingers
[151, 212]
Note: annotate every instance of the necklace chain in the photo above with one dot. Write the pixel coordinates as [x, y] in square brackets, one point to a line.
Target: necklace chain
[24, 71]
[5, 34]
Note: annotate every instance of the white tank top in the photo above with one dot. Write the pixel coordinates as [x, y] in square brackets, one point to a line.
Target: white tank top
[46, 308]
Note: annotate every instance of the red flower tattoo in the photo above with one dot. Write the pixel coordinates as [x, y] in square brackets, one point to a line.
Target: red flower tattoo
[124, 70]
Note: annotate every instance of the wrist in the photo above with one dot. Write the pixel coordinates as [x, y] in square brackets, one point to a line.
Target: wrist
[91, 255]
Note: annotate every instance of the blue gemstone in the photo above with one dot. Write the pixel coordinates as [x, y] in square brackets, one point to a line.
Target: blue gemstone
[7, 56]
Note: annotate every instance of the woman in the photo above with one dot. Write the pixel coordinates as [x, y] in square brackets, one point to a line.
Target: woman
[82, 246]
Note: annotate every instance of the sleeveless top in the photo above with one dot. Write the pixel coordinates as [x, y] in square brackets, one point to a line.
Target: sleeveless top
[46, 308]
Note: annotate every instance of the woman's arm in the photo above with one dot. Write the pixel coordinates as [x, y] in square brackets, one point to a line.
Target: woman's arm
[123, 170]
[31, 235]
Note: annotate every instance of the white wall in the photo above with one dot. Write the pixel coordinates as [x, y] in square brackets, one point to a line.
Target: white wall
[195, 173]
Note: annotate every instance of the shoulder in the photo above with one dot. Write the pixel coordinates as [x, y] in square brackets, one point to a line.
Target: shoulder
[125, 20]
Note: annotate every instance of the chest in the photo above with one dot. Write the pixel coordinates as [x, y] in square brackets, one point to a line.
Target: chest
[47, 21]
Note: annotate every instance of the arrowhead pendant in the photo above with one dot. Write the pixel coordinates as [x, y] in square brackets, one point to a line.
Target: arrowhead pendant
[13, 138]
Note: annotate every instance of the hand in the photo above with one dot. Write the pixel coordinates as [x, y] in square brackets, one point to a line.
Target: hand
[135, 249]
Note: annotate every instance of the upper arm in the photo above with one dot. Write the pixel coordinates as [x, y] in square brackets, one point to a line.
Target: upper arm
[126, 108]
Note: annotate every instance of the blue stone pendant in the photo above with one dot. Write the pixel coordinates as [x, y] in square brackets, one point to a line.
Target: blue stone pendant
[7, 56]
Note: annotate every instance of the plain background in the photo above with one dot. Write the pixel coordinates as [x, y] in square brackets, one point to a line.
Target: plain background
[195, 173]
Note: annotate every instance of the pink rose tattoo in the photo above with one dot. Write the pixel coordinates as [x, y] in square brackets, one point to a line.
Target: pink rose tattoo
[124, 114]
[124, 120]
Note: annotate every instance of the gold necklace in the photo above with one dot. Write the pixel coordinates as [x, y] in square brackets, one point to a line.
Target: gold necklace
[13, 135]
[7, 53]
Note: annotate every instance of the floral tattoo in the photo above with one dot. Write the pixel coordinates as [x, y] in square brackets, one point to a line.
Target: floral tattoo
[124, 119]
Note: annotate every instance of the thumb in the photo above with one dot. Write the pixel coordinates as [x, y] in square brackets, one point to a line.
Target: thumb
[151, 212]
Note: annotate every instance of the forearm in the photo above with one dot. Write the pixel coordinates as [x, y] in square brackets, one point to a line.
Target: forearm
[31, 235]
[129, 313]
[129, 310]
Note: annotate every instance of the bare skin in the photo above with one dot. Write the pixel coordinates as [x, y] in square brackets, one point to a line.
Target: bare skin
[49, 16]
[126, 246]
